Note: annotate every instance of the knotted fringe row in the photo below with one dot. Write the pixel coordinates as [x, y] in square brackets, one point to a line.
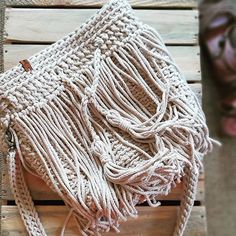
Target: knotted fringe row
[137, 177]
[112, 99]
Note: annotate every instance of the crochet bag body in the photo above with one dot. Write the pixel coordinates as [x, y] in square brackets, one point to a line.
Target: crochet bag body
[106, 119]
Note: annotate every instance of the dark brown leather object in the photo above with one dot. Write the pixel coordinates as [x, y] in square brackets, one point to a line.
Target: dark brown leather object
[26, 65]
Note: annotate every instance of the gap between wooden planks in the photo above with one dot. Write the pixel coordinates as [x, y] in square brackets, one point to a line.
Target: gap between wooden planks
[40, 191]
[150, 222]
[99, 3]
[48, 25]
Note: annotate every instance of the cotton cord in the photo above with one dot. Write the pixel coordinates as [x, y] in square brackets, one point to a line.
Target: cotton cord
[22, 195]
[107, 120]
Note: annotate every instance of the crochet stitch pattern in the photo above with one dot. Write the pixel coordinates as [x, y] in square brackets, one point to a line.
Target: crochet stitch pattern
[107, 120]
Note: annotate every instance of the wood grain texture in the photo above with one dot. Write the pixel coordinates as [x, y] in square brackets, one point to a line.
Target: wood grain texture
[99, 3]
[49, 25]
[187, 57]
[40, 191]
[158, 221]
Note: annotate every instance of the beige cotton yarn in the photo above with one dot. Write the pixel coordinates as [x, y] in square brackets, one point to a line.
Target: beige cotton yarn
[107, 120]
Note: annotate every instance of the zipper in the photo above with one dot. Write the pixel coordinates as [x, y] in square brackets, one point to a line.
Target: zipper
[9, 138]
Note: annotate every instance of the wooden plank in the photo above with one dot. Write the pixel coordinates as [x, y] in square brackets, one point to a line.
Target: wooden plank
[158, 221]
[99, 3]
[40, 191]
[187, 57]
[49, 25]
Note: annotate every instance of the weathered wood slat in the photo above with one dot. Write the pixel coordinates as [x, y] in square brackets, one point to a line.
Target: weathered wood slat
[186, 57]
[99, 3]
[158, 221]
[40, 191]
[49, 25]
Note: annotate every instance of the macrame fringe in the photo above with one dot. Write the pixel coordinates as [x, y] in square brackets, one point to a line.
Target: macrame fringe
[110, 98]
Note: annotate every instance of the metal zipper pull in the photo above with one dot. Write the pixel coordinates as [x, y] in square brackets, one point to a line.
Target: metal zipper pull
[9, 137]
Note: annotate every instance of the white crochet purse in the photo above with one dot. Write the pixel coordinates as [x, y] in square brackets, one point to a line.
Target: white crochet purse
[106, 119]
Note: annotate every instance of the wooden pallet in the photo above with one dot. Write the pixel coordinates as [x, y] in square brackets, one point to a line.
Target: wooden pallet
[30, 27]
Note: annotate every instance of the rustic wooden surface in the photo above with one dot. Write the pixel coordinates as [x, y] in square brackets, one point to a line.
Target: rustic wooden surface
[40, 191]
[151, 221]
[99, 3]
[33, 25]
[38, 25]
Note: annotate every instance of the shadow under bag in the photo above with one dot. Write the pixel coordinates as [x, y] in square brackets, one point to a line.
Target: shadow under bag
[105, 117]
